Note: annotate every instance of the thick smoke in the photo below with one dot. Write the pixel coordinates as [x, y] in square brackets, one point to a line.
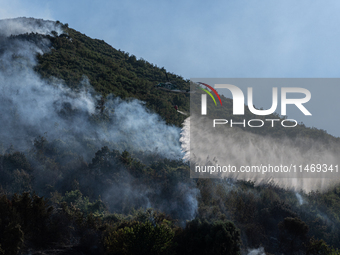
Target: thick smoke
[23, 25]
[225, 146]
[33, 107]
[185, 139]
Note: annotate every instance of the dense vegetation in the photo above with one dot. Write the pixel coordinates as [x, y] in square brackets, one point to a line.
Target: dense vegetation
[52, 199]
[75, 217]
[112, 71]
[116, 72]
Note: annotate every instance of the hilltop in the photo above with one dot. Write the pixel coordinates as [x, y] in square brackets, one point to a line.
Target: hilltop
[77, 177]
[112, 71]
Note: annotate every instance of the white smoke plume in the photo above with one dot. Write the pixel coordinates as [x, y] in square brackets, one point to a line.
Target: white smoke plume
[259, 251]
[185, 139]
[31, 106]
[19, 26]
[299, 198]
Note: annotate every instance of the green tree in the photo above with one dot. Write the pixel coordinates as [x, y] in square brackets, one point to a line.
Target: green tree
[140, 238]
[293, 233]
[219, 237]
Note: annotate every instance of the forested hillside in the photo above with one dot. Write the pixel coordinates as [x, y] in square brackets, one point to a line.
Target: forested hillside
[112, 71]
[86, 171]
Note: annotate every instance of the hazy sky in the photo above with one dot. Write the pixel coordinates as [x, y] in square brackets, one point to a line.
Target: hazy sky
[208, 39]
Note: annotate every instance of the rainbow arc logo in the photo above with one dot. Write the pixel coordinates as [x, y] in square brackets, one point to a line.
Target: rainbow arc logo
[213, 90]
[204, 97]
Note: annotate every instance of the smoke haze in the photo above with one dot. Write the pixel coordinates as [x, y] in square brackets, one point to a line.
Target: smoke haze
[33, 107]
[225, 146]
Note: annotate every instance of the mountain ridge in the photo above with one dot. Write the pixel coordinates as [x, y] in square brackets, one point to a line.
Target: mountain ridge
[138, 199]
[112, 71]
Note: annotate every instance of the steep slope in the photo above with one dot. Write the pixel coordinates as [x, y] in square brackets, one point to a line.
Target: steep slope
[112, 71]
[76, 160]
